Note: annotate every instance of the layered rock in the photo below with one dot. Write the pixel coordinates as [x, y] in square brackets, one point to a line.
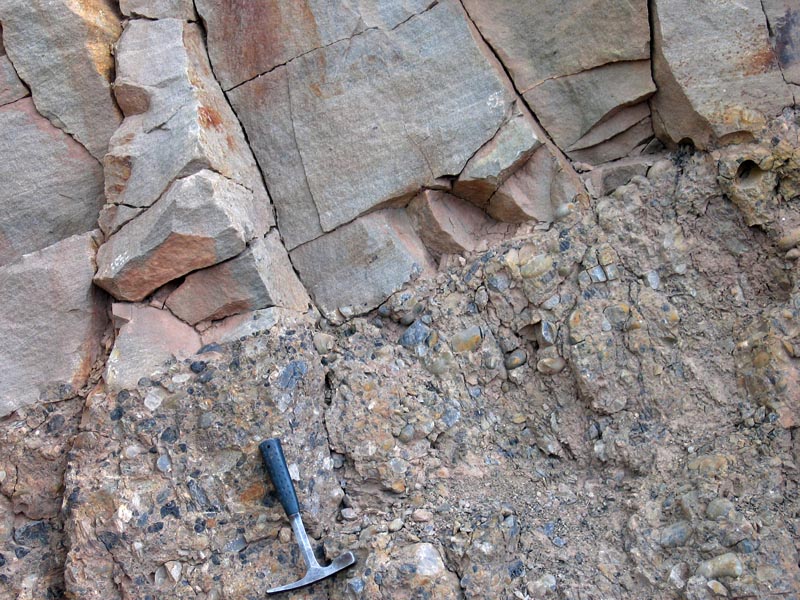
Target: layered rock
[177, 120]
[158, 9]
[259, 277]
[572, 87]
[202, 220]
[52, 186]
[716, 72]
[353, 269]
[62, 50]
[321, 112]
[51, 321]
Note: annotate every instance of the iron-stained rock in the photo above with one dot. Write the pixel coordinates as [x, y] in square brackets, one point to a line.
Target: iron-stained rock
[202, 220]
[362, 263]
[716, 72]
[52, 187]
[259, 277]
[148, 337]
[51, 321]
[62, 50]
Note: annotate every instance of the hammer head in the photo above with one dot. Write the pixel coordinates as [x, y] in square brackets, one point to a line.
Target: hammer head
[316, 572]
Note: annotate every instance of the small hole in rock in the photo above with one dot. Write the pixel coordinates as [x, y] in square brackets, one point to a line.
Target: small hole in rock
[748, 173]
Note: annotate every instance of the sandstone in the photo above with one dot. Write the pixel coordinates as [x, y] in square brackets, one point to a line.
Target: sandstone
[62, 50]
[242, 48]
[203, 219]
[570, 106]
[52, 183]
[158, 9]
[526, 195]
[630, 142]
[362, 263]
[11, 88]
[177, 120]
[716, 72]
[259, 277]
[513, 144]
[430, 125]
[51, 321]
[536, 41]
[446, 224]
[114, 216]
[784, 27]
[147, 338]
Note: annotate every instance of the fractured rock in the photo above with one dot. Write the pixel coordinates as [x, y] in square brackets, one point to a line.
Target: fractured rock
[259, 277]
[177, 120]
[52, 187]
[360, 264]
[513, 144]
[606, 178]
[147, 338]
[784, 27]
[614, 137]
[430, 126]
[158, 9]
[570, 106]
[11, 88]
[241, 47]
[51, 321]
[203, 219]
[526, 195]
[62, 50]
[446, 224]
[716, 72]
[570, 86]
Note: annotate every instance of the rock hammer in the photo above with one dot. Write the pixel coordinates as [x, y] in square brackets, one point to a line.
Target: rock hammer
[279, 474]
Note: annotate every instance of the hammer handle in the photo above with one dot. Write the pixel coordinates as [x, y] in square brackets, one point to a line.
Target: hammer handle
[279, 474]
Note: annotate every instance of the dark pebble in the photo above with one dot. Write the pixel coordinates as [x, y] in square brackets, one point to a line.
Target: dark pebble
[198, 366]
[516, 569]
[55, 423]
[210, 348]
[2, 561]
[171, 509]
[108, 538]
[199, 525]
[21, 552]
[169, 435]
[205, 377]
[117, 413]
[33, 534]
[155, 527]
[292, 374]
[415, 335]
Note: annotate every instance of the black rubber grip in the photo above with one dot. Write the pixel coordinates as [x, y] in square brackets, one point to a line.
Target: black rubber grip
[279, 474]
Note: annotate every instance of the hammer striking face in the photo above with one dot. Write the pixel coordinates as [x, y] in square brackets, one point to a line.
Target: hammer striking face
[279, 473]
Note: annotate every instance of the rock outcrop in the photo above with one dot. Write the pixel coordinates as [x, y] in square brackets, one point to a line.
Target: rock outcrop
[51, 320]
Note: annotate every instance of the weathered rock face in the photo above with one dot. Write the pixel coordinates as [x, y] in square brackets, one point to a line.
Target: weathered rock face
[204, 486]
[353, 269]
[11, 87]
[716, 72]
[177, 119]
[241, 48]
[259, 277]
[571, 87]
[52, 187]
[324, 105]
[203, 219]
[783, 17]
[72, 85]
[51, 321]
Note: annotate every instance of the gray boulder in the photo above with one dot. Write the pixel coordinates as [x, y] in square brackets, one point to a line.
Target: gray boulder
[52, 187]
[355, 268]
[62, 50]
[203, 219]
[51, 323]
